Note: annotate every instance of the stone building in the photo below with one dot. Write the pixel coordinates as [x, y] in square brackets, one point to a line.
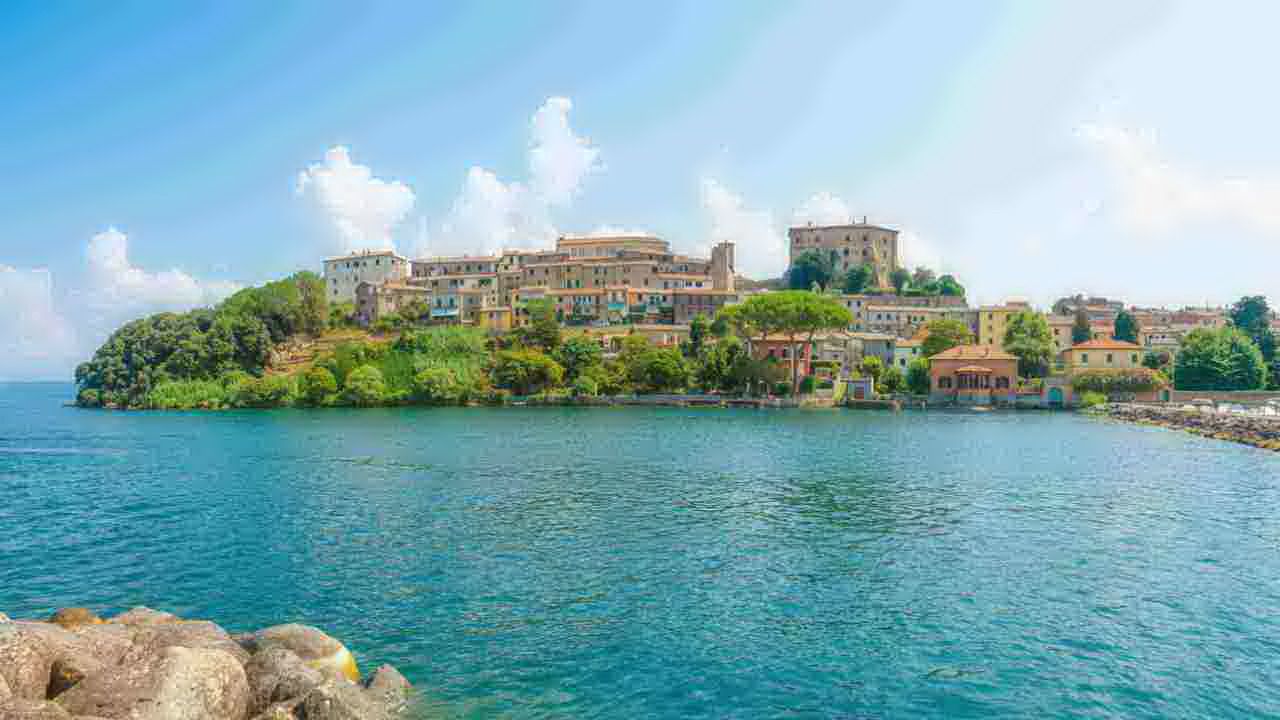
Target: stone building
[344, 273]
[849, 246]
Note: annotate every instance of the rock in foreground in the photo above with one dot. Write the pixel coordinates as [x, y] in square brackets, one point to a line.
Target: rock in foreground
[150, 665]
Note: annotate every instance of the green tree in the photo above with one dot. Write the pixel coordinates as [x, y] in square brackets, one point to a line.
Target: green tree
[1027, 336]
[795, 314]
[872, 367]
[698, 329]
[891, 381]
[947, 285]
[318, 386]
[944, 335]
[918, 380]
[1223, 359]
[662, 370]
[900, 279]
[525, 371]
[543, 330]
[809, 268]
[438, 383]
[577, 353]
[1253, 316]
[714, 365]
[1126, 327]
[1081, 331]
[365, 387]
[857, 279]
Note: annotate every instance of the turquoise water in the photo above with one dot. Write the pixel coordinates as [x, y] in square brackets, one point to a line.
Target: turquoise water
[627, 563]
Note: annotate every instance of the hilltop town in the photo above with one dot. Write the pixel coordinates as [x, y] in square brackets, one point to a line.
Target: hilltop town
[613, 286]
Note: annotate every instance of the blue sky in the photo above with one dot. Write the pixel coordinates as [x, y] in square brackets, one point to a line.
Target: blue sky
[153, 151]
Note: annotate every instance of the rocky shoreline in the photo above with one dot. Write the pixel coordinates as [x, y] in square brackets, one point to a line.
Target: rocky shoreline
[1258, 431]
[149, 665]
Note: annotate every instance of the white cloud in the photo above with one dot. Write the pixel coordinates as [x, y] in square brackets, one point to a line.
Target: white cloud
[761, 249]
[490, 214]
[43, 336]
[559, 160]
[616, 231]
[822, 209]
[117, 290]
[36, 341]
[1157, 196]
[914, 251]
[364, 209]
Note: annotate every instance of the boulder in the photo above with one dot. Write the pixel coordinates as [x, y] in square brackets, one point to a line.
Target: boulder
[388, 687]
[339, 699]
[150, 638]
[78, 653]
[16, 709]
[277, 675]
[24, 662]
[68, 618]
[176, 683]
[4, 618]
[317, 649]
[143, 616]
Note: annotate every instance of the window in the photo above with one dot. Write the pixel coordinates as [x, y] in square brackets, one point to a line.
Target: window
[1134, 358]
[1110, 359]
[944, 383]
[1084, 358]
[1002, 383]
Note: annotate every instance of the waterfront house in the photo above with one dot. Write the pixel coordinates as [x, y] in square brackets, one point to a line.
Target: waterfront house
[1102, 355]
[973, 375]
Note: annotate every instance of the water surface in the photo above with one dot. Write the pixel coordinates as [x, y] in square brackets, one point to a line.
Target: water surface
[661, 562]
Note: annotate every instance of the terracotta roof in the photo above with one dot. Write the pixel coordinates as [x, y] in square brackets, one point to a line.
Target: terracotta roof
[973, 369]
[1105, 345]
[974, 352]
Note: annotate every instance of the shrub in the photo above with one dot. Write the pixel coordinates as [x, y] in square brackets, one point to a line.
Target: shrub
[439, 384]
[891, 381]
[524, 371]
[365, 387]
[318, 387]
[1135, 380]
[585, 387]
[807, 385]
[782, 389]
[918, 380]
[264, 392]
[187, 395]
[1092, 399]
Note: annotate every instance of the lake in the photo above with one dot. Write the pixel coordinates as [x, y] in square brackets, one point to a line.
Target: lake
[666, 562]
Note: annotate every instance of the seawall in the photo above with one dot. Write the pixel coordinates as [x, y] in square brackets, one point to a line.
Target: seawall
[1258, 431]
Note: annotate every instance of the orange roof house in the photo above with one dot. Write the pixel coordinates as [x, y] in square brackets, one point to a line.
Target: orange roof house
[973, 375]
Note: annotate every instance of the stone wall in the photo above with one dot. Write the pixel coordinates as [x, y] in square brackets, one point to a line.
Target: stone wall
[1261, 432]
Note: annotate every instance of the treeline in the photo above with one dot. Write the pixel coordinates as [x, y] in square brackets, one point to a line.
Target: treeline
[814, 269]
[223, 346]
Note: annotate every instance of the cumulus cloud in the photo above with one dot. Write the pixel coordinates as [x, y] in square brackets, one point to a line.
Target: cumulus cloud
[119, 290]
[490, 214]
[1155, 195]
[43, 335]
[559, 160]
[761, 249]
[364, 209]
[36, 341]
[822, 209]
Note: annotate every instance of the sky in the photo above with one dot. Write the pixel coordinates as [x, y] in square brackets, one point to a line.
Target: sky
[158, 156]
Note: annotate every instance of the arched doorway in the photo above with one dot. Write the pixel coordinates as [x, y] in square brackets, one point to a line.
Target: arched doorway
[1055, 396]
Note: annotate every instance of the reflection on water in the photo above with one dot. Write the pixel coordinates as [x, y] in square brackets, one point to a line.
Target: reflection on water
[677, 563]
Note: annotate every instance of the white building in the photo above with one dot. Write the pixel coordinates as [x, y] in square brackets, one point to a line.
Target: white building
[342, 274]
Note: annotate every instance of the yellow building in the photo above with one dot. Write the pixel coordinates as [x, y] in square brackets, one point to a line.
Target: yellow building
[1103, 355]
[994, 319]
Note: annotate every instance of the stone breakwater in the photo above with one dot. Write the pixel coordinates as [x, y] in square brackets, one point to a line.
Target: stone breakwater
[1259, 431]
[149, 665]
